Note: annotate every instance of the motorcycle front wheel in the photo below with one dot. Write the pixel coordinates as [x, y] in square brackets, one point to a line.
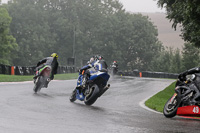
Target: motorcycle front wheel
[171, 106]
[72, 97]
[92, 95]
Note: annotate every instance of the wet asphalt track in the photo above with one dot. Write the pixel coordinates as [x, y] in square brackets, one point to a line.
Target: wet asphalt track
[117, 111]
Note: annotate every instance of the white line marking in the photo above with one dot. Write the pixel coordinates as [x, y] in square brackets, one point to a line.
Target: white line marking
[141, 103]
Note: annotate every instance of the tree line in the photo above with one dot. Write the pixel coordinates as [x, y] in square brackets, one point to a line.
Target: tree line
[32, 30]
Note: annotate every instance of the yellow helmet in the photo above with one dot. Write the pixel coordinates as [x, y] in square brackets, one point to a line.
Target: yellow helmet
[54, 55]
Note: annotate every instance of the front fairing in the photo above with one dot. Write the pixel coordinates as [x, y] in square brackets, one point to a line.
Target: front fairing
[104, 75]
[79, 80]
[101, 79]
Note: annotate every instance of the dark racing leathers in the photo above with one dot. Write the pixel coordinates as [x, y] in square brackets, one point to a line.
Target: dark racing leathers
[190, 71]
[196, 87]
[114, 64]
[51, 61]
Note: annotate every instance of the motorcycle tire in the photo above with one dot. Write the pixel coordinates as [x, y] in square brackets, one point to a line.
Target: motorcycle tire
[38, 84]
[171, 106]
[92, 96]
[72, 97]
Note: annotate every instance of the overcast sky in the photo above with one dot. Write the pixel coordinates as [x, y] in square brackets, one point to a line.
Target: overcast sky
[138, 5]
[141, 6]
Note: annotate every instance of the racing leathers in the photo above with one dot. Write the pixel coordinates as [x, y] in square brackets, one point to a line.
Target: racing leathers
[183, 75]
[51, 61]
[196, 87]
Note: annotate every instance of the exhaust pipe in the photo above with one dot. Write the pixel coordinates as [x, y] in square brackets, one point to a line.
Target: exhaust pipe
[104, 89]
[48, 80]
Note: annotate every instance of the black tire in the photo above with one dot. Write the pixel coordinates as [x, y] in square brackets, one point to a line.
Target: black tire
[73, 96]
[92, 96]
[171, 106]
[38, 84]
[114, 71]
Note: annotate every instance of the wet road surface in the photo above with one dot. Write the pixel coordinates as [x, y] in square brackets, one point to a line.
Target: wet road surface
[117, 111]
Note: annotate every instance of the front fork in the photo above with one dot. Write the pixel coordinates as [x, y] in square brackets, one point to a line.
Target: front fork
[173, 97]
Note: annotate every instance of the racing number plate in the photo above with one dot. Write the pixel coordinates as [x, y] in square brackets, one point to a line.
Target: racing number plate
[189, 111]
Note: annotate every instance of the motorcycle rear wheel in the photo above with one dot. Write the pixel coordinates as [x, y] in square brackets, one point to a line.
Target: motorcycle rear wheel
[38, 84]
[171, 107]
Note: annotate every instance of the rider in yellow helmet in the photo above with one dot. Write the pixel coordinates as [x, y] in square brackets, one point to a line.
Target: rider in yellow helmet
[52, 61]
[54, 55]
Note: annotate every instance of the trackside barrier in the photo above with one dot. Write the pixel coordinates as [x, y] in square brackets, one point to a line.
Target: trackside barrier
[4, 69]
[30, 70]
[149, 74]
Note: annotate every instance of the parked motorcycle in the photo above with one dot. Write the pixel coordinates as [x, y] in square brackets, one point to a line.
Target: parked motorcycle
[43, 78]
[95, 86]
[186, 95]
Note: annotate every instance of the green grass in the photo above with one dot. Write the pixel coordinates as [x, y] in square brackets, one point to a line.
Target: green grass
[19, 78]
[66, 76]
[158, 101]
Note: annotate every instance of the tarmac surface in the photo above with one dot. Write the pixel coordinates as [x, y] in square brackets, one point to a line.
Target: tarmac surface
[117, 111]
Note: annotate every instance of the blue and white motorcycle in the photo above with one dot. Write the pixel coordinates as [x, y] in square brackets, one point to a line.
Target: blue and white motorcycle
[95, 86]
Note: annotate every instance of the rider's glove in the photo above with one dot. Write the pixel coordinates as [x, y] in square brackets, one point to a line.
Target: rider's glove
[80, 71]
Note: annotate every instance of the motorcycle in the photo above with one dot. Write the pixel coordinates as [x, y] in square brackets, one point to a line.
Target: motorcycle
[95, 86]
[186, 99]
[43, 78]
[114, 69]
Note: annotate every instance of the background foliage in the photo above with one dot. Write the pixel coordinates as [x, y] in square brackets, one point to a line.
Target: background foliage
[83, 28]
[186, 13]
[7, 41]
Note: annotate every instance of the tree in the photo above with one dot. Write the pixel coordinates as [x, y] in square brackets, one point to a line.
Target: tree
[136, 40]
[7, 42]
[88, 26]
[31, 31]
[186, 13]
[48, 25]
[168, 60]
[190, 56]
[175, 62]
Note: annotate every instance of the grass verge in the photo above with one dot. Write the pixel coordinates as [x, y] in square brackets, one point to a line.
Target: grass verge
[157, 102]
[19, 78]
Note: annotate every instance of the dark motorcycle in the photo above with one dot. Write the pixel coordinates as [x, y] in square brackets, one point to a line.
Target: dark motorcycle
[114, 69]
[96, 86]
[186, 94]
[43, 78]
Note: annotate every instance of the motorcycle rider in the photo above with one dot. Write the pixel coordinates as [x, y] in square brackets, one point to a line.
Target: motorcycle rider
[96, 64]
[196, 87]
[114, 66]
[52, 61]
[115, 63]
[182, 76]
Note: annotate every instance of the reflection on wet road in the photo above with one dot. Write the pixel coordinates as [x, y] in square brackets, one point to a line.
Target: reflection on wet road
[117, 111]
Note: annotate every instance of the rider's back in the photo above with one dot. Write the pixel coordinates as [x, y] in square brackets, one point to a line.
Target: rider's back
[52, 61]
[101, 65]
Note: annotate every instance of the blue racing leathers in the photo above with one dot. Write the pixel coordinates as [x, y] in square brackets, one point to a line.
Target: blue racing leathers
[91, 69]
